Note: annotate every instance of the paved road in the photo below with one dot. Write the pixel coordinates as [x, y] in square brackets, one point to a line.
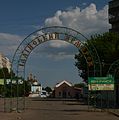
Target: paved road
[62, 110]
[57, 110]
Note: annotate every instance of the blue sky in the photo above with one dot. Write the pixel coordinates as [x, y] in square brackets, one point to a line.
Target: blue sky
[20, 18]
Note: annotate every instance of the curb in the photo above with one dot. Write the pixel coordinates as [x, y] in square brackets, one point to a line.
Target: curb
[114, 113]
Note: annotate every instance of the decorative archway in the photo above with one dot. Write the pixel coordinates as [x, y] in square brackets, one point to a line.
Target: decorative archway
[113, 67]
[46, 34]
[114, 71]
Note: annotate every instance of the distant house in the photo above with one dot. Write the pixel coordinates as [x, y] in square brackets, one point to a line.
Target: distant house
[65, 89]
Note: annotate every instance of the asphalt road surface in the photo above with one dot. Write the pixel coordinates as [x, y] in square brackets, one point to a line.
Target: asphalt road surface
[57, 110]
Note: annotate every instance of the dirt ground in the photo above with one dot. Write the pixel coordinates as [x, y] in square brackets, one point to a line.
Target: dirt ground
[56, 110]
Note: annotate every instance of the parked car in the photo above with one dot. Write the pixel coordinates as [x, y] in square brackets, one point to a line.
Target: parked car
[43, 94]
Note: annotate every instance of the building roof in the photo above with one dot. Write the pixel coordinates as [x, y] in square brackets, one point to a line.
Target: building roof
[64, 81]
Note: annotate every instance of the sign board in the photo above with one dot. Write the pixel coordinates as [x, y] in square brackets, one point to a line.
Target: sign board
[101, 83]
[8, 81]
[1, 81]
[101, 86]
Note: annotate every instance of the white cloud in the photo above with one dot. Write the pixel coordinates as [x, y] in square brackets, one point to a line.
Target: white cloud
[9, 43]
[54, 20]
[7, 36]
[58, 44]
[87, 21]
[56, 50]
[53, 49]
[60, 56]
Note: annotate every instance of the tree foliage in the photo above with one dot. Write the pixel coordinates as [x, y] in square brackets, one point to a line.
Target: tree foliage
[4, 73]
[79, 85]
[48, 89]
[107, 46]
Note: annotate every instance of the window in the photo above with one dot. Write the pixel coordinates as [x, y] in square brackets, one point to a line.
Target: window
[68, 93]
[59, 93]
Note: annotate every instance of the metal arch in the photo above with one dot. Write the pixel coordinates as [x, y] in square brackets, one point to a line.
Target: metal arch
[17, 52]
[115, 72]
[4, 94]
[112, 67]
[41, 30]
[57, 29]
[80, 51]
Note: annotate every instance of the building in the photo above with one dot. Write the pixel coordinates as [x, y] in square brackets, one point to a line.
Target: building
[65, 89]
[5, 62]
[36, 87]
[114, 15]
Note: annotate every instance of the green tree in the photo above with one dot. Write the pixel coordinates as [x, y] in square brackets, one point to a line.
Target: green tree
[48, 89]
[107, 46]
[79, 85]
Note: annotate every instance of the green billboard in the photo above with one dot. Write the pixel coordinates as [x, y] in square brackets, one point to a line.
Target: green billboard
[100, 80]
[101, 83]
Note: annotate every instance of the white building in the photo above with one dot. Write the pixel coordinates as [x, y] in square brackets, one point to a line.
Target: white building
[36, 87]
[5, 62]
